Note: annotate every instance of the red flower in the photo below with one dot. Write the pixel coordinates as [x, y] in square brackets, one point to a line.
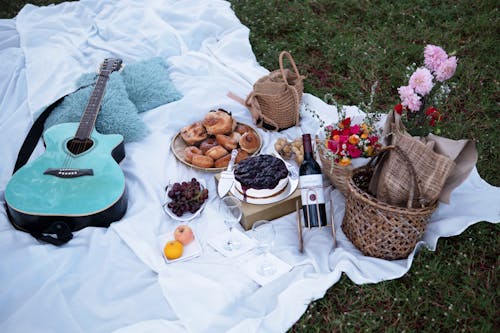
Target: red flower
[399, 108]
[373, 139]
[346, 122]
[432, 122]
[346, 131]
[430, 111]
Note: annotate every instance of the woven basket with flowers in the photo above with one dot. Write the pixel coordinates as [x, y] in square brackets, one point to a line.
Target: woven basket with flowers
[346, 145]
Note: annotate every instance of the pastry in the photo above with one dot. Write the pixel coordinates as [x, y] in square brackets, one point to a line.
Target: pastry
[190, 151]
[202, 161]
[261, 176]
[223, 161]
[249, 142]
[216, 152]
[226, 141]
[241, 128]
[194, 133]
[241, 156]
[207, 144]
[218, 122]
[235, 136]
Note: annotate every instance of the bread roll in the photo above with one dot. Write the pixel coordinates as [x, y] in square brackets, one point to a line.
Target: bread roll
[202, 161]
[194, 133]
[218, 122]
[207, 144]
[216, 152]
[226, 141]
[249, 142]
[189, 152]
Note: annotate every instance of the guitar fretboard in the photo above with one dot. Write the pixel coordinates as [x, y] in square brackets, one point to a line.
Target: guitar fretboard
[92, 109]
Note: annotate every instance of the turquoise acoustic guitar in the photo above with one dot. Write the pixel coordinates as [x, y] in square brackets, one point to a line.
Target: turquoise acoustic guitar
[77, 181]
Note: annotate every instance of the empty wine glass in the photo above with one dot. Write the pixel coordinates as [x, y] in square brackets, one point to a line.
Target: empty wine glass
[263, 231]
[230, 208]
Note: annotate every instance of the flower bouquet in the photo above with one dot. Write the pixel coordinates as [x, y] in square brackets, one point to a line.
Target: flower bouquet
[440, 163]
[347, 145]
[427, 89]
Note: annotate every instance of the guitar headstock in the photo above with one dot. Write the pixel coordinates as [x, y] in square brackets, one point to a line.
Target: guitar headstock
[111, 65]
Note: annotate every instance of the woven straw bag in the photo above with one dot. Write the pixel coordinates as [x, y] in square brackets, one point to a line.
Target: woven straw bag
[275, 99]
[391, 182]
[379, 229]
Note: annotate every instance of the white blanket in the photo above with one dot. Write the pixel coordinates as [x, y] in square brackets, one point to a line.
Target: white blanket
[116, 279]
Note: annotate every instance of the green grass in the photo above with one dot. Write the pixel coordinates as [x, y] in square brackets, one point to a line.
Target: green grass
[344, 46]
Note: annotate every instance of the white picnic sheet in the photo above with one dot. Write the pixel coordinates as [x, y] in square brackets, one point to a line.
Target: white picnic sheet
[115, 280]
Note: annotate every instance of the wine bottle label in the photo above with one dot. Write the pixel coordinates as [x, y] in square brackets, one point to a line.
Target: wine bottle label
[311, 192]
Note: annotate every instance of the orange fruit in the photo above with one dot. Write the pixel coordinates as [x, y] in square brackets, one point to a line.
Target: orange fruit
[173, 249]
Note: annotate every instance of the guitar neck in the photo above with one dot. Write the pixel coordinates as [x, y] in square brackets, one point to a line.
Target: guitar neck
[89, 116]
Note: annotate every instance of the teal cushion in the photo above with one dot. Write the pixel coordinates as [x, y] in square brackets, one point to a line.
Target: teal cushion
[118, 115]
[148, 84]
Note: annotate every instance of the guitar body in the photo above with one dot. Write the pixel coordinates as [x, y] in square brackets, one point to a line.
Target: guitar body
[84, 189]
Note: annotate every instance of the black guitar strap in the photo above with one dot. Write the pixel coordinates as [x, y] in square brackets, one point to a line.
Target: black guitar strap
[60, 229]
[35, 133]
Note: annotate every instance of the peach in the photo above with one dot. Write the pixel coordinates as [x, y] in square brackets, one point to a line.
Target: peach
[184, 234]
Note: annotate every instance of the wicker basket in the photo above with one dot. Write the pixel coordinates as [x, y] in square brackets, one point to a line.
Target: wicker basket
[337, 174]
[378, 229]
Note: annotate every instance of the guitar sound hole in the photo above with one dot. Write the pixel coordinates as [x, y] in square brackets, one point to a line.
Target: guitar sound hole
[78, 146]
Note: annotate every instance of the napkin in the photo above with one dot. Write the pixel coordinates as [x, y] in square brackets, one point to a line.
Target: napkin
[218, 242]
[251, 267]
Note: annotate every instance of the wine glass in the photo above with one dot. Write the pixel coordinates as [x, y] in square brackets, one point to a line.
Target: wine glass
[230, 208]
[263, 231]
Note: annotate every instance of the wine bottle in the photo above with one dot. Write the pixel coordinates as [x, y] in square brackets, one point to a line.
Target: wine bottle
[311, 185]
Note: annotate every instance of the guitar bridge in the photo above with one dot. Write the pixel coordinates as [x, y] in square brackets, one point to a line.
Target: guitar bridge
[68, 173]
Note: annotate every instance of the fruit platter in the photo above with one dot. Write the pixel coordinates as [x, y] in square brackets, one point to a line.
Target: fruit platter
[185, 200]
[179, 245]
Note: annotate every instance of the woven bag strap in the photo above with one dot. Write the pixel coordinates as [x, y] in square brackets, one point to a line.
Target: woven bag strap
[414, 190]
[294, 89]
[297, 104]
[253, 106]
[292, 62]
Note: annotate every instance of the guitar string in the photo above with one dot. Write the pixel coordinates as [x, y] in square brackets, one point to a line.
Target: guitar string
[77, 146]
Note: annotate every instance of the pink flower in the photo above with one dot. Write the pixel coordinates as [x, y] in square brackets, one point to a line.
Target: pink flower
[343, 139]
[354, 151]
[413, 103]
[354, 129]
[434, 56]
[333, 146]
[405, 92]
[446, 69]
[421, 81]
[409, 98]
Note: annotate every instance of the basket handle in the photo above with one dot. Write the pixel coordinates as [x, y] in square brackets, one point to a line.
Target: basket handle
[414, 190]
[292, 62]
